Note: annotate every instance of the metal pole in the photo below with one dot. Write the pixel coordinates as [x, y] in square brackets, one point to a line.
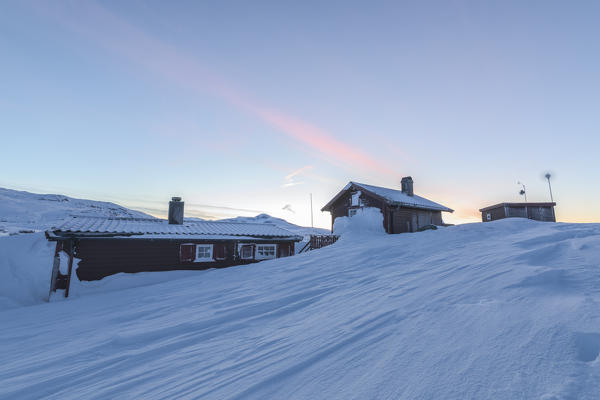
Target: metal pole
[71, 249]
[550, 187]
[311, 213]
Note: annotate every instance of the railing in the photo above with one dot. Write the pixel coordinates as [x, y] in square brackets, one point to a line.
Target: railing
[318, 241]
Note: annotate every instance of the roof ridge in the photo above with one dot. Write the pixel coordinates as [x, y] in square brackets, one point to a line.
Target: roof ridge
[158, 220]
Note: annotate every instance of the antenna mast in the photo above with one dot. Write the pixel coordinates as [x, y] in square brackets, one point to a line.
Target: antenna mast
[523, 192]
[549, 186]
[311, 213]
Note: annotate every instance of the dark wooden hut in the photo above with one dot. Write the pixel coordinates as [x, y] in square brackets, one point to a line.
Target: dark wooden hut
[402, 210]
[536, 211]
[106, 246]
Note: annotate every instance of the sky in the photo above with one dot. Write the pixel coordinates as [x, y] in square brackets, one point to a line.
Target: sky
[250, 107]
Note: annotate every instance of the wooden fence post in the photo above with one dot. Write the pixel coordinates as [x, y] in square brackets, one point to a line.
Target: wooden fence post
[71, 249]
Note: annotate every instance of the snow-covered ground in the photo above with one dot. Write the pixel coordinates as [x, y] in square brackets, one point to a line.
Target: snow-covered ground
[501, 310]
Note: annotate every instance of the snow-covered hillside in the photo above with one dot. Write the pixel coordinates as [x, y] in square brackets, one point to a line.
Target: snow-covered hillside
[502, 310]
[267, 219]
[24, 211]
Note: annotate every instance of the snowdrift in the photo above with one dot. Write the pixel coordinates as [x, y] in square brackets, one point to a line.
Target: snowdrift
[25, 270]
[502, 310]
[367, 223]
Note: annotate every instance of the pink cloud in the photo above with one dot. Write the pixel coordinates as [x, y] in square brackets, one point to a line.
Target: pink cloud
[117, 35]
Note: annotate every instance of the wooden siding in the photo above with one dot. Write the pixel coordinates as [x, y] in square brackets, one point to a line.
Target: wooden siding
[344, 203]
[495, 213]
[395, 219]
[411, 220]
[545, 214]
[538, 213]
[103, 257]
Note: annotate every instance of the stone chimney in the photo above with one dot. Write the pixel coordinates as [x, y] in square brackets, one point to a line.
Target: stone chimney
[176, 211]
[407, 185]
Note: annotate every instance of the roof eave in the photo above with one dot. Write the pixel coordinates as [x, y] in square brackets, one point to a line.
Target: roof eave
[419, 207]
[62, 235]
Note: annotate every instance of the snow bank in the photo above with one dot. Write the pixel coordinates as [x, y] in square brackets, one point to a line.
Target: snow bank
[122, 281]
[368, 221]
[501, 310]
[25, 269]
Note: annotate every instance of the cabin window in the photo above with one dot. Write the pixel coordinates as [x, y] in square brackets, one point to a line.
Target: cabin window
[246, 252]
[352, 212]
[488, 216]
[355, 199]
[266, 251]
[204, 252]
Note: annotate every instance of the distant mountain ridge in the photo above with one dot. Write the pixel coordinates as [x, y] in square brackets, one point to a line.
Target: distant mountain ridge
[22, 212]
[25, 211]
[280, 222]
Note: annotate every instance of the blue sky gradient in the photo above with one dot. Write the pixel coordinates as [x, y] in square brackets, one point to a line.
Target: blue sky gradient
[244, 107]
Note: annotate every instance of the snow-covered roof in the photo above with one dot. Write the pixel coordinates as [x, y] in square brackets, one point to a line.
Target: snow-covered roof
[542, 204]
[160, 227]
[393, 196]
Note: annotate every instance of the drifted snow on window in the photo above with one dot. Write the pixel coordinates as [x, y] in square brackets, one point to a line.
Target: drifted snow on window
[356, 199]
[365, 221]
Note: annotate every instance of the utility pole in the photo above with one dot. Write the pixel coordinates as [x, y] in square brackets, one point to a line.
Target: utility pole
[549, 186]
[311, 214]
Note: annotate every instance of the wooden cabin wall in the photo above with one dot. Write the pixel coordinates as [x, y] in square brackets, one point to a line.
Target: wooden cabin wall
[411, 219]
[519, 212]
[541, 214]
[436, 218]
[496, 213]
[395, 219]
[104, 257]
[344, 203]
[532, 212]
[403, 220]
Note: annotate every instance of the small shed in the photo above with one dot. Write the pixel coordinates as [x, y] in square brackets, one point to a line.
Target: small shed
[536, 211]
[402, 210]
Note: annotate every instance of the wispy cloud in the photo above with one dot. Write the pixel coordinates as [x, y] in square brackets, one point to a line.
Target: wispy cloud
[159, 57]
[290, 179]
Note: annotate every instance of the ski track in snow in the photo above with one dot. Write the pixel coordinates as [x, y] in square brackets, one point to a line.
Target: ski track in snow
[502, 310]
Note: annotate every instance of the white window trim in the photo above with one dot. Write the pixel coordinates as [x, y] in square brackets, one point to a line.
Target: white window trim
[352, 212]
[204, 259]
[488, 216]
[240, 245]
[258, 256]
[355, 199]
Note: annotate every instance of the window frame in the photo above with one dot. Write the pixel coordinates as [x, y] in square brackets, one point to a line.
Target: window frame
[257, 251]
[355, 198]
[488, 216]
[204, 246]
[352, 212]
[241, 248]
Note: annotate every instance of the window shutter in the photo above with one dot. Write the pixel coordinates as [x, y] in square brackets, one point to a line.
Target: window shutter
[187, 252]
[219, 251]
